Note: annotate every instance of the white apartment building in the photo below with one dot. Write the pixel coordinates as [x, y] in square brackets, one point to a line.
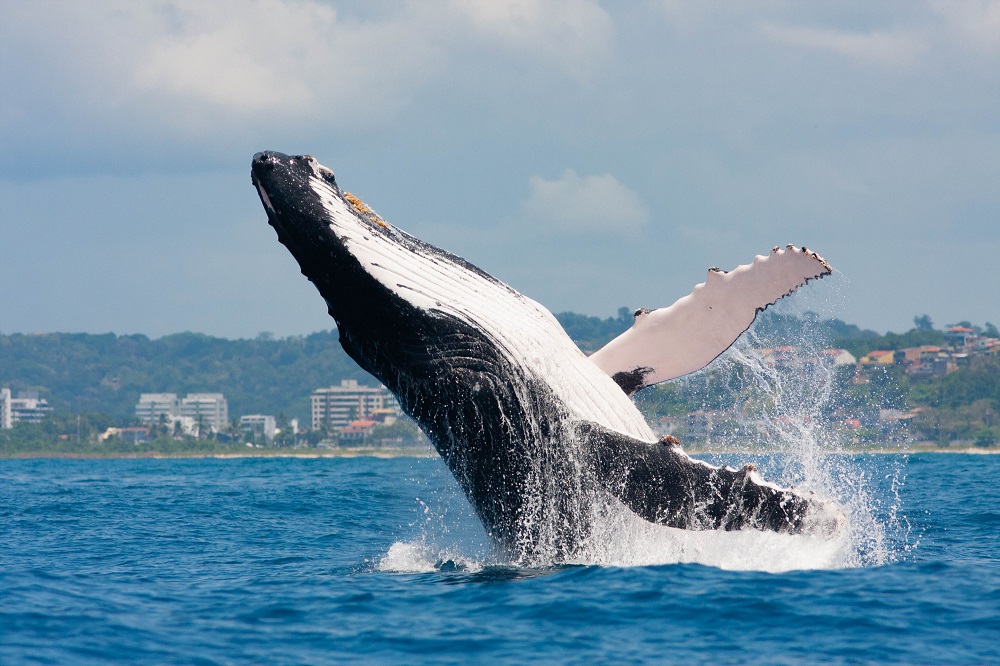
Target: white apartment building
[6, 418]
[337, 406]
[153, 405]
[26, 407]
[259, 424]
[210, 410]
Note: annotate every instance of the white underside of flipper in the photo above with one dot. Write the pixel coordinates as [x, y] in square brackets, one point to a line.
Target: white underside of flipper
[669, 342]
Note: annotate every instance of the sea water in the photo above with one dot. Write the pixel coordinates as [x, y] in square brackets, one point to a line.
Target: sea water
[334, 560]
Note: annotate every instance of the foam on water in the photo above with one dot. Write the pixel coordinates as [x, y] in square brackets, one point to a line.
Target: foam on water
[422, 557]
[622, 539]
[640, 543]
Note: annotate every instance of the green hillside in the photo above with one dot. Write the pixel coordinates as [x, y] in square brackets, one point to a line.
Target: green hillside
[101, 376]
[78, 372]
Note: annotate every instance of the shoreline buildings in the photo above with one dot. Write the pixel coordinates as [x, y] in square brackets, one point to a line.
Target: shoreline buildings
[259, 425]
[6, 419]
[337, 406]
[208, 410]
[26, 407]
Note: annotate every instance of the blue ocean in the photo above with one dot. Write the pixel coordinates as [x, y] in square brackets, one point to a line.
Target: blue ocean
[374, 560]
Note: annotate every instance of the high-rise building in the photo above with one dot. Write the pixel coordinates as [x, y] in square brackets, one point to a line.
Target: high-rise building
[337, 406]
[27, 407]
[153, 405]
[259, 425]
[207, 409]
[6, 418]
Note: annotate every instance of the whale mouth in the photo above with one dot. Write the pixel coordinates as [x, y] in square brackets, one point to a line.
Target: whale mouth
[295, 186]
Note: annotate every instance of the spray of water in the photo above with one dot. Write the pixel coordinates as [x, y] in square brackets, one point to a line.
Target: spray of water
[781, 416]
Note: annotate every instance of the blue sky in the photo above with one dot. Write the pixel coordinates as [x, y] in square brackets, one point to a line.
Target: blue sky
[593, 155]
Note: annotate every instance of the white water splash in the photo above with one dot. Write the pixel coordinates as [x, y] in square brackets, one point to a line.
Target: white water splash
[421, 557]
[629, 541]
[783, 418]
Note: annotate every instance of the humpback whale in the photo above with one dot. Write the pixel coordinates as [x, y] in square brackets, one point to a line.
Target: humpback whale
[543, 440]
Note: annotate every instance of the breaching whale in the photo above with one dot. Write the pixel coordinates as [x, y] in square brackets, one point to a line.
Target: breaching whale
[543, 440]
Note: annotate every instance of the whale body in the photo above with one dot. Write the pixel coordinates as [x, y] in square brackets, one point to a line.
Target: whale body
[543, 440]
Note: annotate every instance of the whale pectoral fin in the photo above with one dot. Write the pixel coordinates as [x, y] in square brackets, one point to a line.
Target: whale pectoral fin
[664, 485]
[674, 341]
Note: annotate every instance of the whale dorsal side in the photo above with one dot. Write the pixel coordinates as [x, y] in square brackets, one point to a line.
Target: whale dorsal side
[669, 342]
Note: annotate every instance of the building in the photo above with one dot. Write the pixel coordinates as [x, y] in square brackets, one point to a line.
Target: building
[699, 426]
[132, 435]
[152, 406]
[6, 418]
[355, 432]
[960, 336]
[780, 357]
[337, 406]
[183, 425]
[927, 361]
[27, 407]
[259, 426]
[838, 357]
[791, 357]
[209, 410]
[878, 357]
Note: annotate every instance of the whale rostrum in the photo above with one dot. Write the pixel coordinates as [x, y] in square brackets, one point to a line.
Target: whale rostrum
[543, 440]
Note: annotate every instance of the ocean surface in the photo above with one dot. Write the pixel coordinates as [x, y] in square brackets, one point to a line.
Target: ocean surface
[368, 560]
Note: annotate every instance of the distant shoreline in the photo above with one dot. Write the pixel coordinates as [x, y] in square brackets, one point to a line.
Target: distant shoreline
[364, 452]
[346, 452]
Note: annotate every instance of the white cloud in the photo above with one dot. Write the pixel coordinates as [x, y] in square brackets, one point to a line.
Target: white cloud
[585, 203]
[104, 78]
[882, 47]
[575, 34]
[298, 58]
[975, 23]
[198, 66]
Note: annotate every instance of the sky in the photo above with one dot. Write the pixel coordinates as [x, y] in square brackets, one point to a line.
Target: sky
[592, 155]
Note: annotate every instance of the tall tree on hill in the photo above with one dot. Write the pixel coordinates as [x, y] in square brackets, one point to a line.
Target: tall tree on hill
[923, 323]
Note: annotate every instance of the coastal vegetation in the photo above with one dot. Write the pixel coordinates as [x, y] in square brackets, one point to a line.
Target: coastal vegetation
[94, 381]
[80, 373]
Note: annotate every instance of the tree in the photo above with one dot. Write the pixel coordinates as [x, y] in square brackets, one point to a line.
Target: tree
[986, 437]
[923, 323]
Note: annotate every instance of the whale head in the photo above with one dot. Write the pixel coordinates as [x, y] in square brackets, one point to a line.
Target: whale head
[318, 223]
[354, 257]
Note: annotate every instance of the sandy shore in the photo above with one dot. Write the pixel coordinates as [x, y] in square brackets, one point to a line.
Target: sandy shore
[346, 452]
